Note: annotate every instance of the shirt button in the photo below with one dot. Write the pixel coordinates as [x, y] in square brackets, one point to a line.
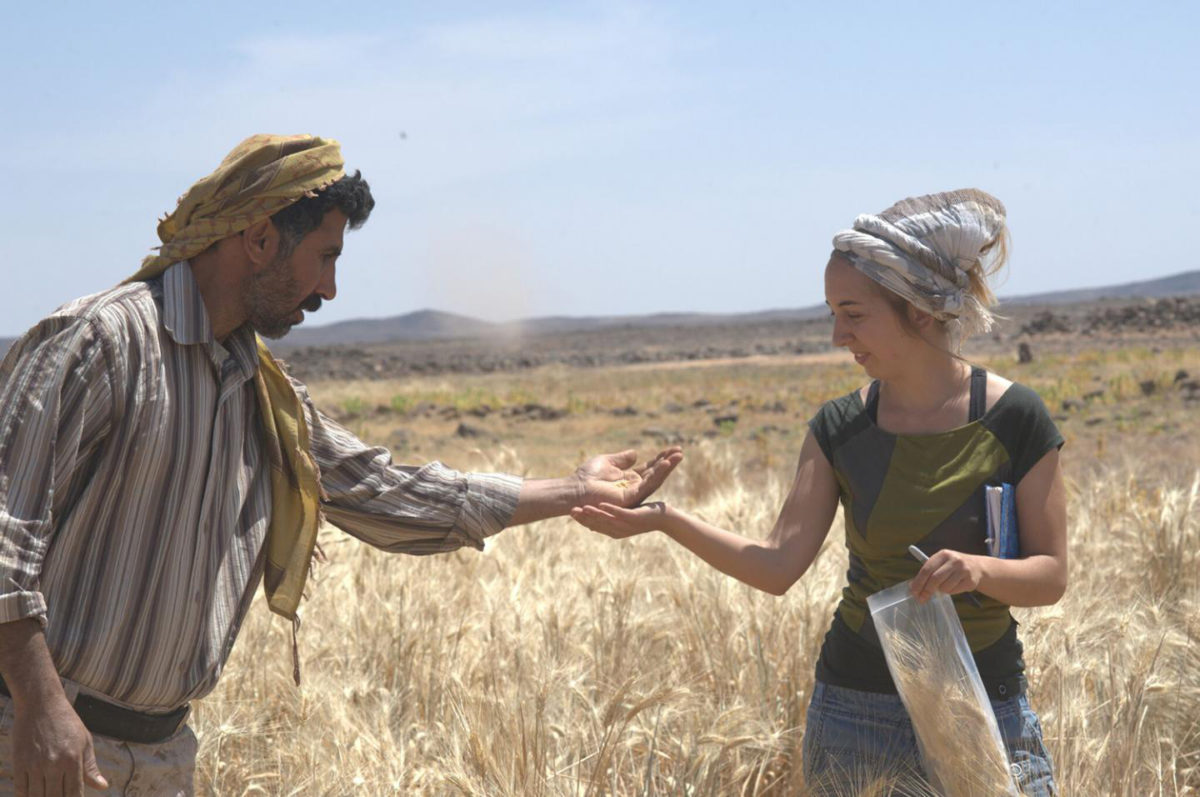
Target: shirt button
[1003, 690]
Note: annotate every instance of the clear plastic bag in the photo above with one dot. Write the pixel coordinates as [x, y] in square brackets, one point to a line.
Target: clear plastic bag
[935, 674]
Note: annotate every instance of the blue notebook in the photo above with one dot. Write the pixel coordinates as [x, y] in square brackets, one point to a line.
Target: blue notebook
[1003, 540]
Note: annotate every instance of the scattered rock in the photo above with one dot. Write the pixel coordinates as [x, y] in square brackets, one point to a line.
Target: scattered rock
[1149, 316]
[1024, 353]
[1046, 322]
[468, 431]
[673, 408]
[664, 436]
[1190, 389]
[1072, 404]
[1092, 395]
[726, 418]
[1181, 375]
[534, 412]
[1148, 387]
[1093, 421]
[624, 412]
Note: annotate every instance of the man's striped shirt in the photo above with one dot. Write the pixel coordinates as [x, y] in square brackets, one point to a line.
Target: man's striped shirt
[135, 498]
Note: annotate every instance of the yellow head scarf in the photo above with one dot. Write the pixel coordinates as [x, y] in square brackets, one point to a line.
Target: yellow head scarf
[261, 176]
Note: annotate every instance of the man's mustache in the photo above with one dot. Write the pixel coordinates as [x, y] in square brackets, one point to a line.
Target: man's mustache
[311, 304]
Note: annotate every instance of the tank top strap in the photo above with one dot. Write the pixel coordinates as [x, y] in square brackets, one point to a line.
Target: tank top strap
[977, 402]
[978, 394]
[873, 401]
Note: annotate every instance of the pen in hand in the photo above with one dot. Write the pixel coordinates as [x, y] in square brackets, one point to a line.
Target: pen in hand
[922, 557]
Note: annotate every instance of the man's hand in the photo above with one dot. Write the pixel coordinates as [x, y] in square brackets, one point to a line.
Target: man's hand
[616, 479]
[52, 752]
[606, 479]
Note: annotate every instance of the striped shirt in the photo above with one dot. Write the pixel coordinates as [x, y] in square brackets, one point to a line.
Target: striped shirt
[135, 498]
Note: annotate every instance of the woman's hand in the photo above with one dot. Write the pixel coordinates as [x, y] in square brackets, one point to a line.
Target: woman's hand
[950, 572]
[620, 523]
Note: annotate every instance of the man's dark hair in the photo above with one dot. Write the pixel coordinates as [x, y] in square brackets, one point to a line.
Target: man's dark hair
[350, 194]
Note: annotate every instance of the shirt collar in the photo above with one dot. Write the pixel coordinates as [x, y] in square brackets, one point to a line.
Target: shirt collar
[186, 320]
[184, 313]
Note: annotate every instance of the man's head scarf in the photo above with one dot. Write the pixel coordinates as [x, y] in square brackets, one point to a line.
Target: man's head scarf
[261, 176]
[926, 249]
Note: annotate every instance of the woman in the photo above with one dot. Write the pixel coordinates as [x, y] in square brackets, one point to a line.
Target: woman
[908, 457]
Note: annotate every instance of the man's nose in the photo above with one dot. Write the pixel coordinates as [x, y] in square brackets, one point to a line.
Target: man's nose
[327, 287]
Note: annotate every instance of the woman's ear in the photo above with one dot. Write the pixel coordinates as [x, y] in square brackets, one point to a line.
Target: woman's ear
[920, 319]
[260, 243]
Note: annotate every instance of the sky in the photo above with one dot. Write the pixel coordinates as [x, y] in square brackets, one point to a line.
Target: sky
[597, 158]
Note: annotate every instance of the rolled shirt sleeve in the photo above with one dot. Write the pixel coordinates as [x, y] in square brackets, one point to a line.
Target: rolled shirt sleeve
[400, 508]
[55, 407]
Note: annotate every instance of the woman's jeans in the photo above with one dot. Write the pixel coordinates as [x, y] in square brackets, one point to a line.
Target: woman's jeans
[852, 738]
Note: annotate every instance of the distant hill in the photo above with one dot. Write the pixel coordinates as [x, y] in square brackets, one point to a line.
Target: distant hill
[1185, 284]
[433, 324]
[438, 325]
[421, 325]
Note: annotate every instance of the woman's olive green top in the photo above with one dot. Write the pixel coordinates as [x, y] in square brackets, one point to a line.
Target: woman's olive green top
[927, 490]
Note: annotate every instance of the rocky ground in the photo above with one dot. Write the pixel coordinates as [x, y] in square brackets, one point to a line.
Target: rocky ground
[1032, 328]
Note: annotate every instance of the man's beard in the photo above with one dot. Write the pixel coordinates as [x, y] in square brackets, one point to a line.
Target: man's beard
[269, 307]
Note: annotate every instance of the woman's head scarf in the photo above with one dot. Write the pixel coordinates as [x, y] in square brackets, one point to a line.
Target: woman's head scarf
[925, 249]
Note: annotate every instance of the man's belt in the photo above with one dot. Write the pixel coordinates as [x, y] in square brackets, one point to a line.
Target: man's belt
[107, 719]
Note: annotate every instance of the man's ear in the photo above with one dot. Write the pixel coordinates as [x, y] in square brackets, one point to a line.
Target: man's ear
[260, 244]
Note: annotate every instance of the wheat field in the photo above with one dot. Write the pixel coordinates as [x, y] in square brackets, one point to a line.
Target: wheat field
[559, 662]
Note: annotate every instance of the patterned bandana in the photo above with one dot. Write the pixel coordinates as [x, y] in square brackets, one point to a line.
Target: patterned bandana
[923, 249]
[261, 176]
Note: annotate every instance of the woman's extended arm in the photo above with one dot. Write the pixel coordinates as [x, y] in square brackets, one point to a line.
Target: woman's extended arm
[1039, 577]
[773, 565]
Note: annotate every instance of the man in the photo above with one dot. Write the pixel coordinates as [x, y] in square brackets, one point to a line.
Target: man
[155, 462]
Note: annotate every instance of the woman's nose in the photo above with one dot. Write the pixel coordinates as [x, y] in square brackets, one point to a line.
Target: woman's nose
[840, 336]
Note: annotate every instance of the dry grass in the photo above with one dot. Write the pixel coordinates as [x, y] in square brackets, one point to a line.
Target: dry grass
[563, 663]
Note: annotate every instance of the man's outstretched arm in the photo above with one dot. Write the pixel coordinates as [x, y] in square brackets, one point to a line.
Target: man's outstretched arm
[609, 478]
[432, 509]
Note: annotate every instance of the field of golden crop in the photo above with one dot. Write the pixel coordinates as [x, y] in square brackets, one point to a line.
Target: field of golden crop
[559, 662]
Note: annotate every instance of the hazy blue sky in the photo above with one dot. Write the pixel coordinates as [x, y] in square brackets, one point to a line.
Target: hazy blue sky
[606, 158]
